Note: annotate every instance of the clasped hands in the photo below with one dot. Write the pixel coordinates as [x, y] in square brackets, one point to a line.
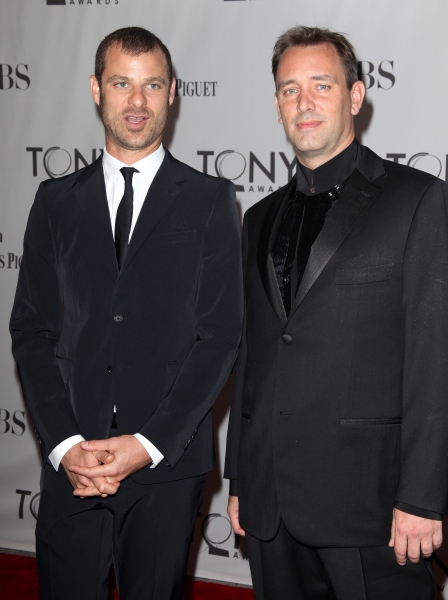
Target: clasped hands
[96, 468]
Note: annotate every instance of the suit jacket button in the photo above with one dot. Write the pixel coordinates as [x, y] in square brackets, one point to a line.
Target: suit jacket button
[109, 369]
[118, 318]
[287, 338]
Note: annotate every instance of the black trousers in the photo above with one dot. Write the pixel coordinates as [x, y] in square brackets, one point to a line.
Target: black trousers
[145, 530]
[284, 569]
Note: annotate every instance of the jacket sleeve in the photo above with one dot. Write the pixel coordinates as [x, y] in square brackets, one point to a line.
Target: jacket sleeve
[218, 317]
[35, 327]
[233, 433]
[423, 481]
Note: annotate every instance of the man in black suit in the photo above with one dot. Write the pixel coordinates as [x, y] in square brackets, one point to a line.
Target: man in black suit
[337, 448]
[125, 326]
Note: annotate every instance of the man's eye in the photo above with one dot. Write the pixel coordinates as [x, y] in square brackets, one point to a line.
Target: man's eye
[290, 92]
[121, 84]
[153, 86]
[322, 86]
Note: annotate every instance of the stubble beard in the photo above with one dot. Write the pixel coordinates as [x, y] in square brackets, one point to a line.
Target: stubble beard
[312, 145]
[133, 140]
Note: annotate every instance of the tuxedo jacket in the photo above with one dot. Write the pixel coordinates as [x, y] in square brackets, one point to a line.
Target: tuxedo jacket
[157, 339]
[341, 409]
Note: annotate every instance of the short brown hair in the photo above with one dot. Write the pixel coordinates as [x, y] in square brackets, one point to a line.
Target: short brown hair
[314, 36]
[132, 40]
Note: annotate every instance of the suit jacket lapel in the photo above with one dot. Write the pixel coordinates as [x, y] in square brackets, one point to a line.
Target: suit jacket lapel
[90, 191]
[268, 232]
[354, 200]
[161, 194]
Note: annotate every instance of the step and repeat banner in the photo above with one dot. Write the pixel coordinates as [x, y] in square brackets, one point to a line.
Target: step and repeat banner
[223, 122]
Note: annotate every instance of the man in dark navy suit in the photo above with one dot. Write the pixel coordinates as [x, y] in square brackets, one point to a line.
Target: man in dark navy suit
[125, 327]
[337, 449]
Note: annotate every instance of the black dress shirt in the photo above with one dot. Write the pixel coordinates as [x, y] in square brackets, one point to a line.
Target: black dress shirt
[305, 215]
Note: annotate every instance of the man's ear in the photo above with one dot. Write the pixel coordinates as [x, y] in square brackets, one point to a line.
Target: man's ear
[172, 92]
[357, 94]
[277, 107]
[95, 89]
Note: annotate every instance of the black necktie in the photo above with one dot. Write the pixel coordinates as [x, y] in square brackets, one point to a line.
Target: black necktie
[124, 215]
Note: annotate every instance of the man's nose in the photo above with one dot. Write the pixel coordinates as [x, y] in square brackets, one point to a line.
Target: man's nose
[305, 102]
[137, 98]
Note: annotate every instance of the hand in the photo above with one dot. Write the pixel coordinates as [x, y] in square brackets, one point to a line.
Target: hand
[234, 513]
[90, 487]
[411, 534]
[129, 455]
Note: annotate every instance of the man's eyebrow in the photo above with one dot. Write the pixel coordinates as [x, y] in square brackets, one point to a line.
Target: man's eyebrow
[284, 83]
[155, 79]
[117, 77]
[323, 77]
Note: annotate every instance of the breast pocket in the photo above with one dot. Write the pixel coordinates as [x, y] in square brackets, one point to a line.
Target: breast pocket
[374, 274]
[173, 237]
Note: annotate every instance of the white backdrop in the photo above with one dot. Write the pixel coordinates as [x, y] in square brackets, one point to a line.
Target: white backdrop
[223, 121]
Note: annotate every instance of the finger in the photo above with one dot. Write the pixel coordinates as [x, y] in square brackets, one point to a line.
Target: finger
[101, 488]
[237, 528]
[103, 456]
[235, 522]
[113, 479]
[106, 486]
[94, 445]
[99, 471]
[427, 547]
[82, 482]
[86, 492]
[400, 548]
[437, 537]
[414, 550]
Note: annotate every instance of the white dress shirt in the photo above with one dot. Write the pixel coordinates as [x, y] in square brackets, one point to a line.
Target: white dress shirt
[147, 168]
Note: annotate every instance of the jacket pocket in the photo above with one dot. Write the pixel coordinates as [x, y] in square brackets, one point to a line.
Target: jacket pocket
[369, 422]
[366, 275]
[173, 237]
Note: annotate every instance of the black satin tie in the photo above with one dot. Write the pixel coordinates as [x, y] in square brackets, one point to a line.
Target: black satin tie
[124, 215]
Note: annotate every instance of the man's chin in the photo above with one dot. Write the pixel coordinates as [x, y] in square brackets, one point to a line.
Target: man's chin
[134, 144]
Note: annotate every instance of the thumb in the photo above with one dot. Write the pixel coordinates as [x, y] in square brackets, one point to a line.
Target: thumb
[392, 533]
[103, 457]
[94, 445]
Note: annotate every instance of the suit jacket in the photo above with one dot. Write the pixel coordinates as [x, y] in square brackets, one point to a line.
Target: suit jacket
[341, 409]
[157, 339]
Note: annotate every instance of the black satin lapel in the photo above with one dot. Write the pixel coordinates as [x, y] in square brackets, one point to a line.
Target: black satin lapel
[90, 191]
[354, 200]
[161, 194]
[265, 243]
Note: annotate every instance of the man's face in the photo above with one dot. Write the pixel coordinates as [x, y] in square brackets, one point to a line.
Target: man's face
[134, 98]
[314, 104]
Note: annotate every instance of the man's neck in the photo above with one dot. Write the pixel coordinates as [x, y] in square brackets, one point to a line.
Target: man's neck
[314, 161]
[127, 156]
[330, 173]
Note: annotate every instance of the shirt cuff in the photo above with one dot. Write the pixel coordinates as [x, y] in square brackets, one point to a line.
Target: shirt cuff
[233, 487]
[58, 453]
[418, 512]
[155, 455]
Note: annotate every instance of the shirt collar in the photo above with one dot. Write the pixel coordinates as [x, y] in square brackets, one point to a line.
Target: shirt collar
[147, 166]
[331, 173]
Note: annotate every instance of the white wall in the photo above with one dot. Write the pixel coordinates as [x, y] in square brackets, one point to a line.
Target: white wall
[46, 56]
